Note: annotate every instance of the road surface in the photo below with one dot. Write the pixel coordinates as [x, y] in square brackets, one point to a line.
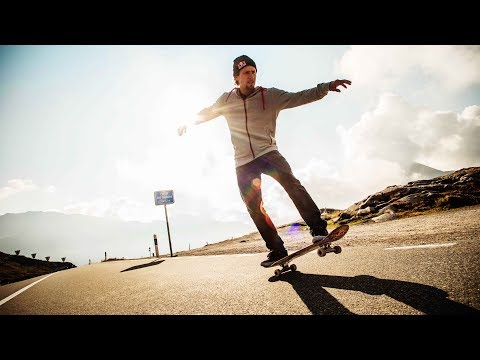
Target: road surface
[440, 276]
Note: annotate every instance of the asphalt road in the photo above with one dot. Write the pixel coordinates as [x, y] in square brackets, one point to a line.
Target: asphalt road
[438, 278]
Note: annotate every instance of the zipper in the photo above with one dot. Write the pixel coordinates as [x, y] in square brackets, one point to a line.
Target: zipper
[246, 126]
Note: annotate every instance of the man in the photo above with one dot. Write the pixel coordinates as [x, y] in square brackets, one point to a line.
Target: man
[251, 113]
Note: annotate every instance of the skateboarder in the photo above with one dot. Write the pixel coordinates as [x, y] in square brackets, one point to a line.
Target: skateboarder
[251, 113]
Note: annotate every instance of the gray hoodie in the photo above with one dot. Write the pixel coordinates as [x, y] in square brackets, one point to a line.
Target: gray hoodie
[252, 121]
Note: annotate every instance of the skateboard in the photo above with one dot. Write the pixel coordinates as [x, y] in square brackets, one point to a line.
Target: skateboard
[323, 247]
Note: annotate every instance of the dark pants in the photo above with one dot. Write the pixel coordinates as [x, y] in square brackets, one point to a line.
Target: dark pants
[249, 183]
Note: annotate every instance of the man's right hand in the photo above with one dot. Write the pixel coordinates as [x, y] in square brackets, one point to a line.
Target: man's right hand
[182, 130]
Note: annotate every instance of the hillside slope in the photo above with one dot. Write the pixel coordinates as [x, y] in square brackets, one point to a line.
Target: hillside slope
[18, 267]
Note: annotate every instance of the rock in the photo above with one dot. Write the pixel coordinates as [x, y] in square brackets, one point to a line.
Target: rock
[385, 217]
[364, 211]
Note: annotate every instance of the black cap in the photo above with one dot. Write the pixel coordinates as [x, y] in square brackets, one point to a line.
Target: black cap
[240, 62]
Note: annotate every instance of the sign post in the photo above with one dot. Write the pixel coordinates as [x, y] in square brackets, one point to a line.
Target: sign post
[156, 245]
[164, 197]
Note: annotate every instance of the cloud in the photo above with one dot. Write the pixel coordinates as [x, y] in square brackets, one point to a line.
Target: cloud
[16, 186]
[400, 133]
[50, 189]
[386, 67]
[383, 133]
[118, 208]
[448, 140]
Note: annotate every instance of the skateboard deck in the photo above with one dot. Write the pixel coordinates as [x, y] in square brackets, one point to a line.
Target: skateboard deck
[323, 247]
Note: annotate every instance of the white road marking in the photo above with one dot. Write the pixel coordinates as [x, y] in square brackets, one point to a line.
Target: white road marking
[22, 290]
[196, 256]
[212, 256]
[419, 246]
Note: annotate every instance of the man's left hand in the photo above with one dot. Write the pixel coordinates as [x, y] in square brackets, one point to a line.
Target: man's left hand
[332, 86]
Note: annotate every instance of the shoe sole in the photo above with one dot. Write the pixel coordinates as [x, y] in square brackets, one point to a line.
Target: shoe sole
[271, 261]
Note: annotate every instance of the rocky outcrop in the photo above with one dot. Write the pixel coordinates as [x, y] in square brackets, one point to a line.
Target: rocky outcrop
[456, 189]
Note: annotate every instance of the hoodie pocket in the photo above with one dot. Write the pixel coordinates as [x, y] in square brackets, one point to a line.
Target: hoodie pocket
[269, 132]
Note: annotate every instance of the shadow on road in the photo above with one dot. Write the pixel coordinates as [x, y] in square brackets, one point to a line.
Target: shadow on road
[156, 262]
[425, 298]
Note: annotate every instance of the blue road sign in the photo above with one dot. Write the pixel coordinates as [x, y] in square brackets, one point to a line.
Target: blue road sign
[163, 197]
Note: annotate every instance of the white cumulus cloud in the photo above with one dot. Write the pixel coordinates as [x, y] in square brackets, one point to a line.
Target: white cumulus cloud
[399, 132]
[119, 208]
[15, 186]
[385, 67]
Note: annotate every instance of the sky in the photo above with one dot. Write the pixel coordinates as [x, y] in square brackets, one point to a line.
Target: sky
[91, 129]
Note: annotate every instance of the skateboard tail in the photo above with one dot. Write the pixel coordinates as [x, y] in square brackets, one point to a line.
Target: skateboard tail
[336, 234]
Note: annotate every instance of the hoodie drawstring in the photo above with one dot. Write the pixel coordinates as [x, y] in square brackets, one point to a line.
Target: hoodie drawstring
[263, 98]
[230, 93]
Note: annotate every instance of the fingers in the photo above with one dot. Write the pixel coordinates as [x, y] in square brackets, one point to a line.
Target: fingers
[340, 82]
[181, 130]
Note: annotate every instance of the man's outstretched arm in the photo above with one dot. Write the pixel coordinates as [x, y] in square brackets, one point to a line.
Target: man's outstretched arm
[203, 116]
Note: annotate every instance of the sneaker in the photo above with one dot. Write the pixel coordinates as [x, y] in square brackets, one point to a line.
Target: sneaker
[273, 256]
[318, 234]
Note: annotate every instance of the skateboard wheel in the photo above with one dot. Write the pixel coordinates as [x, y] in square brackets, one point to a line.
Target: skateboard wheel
[321, 252]
[278, 272]
[293, 267]
[337, 249]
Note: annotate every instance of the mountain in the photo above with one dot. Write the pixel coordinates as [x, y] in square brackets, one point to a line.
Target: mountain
[82, 238]
[424, 172]
[454, 189]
